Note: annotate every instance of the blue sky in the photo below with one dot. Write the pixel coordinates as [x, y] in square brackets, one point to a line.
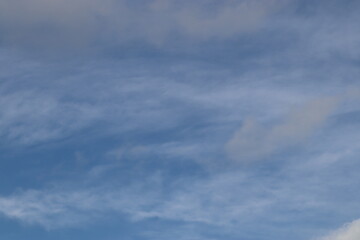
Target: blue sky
[189, 120]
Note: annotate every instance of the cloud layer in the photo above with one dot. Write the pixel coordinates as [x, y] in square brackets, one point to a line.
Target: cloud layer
[62, 23]
[119, 119]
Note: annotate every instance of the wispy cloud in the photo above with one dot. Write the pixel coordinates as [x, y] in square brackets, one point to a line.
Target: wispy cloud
[58, 208]
[152, 122]
[29, 117]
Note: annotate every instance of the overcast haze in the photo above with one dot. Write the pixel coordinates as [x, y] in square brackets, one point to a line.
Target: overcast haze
[188, 120]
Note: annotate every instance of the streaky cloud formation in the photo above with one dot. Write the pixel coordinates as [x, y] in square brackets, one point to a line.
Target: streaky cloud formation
[30, 116]
[189, 120]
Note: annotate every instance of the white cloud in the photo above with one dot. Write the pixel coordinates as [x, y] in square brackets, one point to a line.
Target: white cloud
[209, 201]
[253, 141]
[350, 231]
[222, 200]
[57, 208]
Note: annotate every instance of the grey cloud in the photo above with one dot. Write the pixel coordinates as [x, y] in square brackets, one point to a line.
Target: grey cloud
[253, 141]
[234, 18]
[76, 23]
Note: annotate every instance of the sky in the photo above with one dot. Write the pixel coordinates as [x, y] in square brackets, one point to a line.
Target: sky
[187, 120]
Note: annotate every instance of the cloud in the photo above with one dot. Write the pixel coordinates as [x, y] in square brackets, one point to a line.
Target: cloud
[29, 117]
[233, 199]
[230, 19]
[207, 201]
[174, 111]
[350, 231]
[254, 141]
[58, 208]
[65, 23]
